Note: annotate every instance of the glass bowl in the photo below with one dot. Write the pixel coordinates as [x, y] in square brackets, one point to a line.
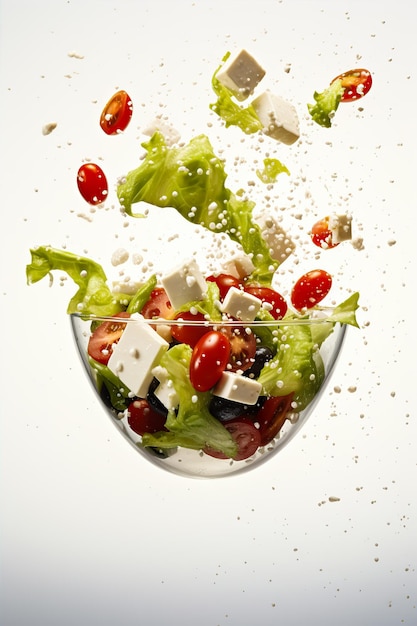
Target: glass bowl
[284, 415]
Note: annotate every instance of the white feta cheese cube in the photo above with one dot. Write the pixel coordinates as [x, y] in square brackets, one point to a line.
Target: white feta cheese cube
[340, 227]
[242, 305]
[185, 284]
[137, 352]
[239, 267]
[279, 243]
[165, 391]
[238, 388]
[278, 117]
[241, 74]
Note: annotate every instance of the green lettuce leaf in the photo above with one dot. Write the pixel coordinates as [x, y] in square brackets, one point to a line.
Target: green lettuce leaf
[192, 180]
[193, 426]
[93, 295]
[327, 103]
[229, 110]
[271, 171]
[297, 366]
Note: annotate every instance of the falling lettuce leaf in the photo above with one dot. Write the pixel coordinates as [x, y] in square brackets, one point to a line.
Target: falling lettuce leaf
[326, 104]
[192, 180]
[272, 169]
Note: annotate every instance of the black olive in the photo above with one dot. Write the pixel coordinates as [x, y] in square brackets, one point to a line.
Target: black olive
[262, 355]
[155, 403]
[226, 410]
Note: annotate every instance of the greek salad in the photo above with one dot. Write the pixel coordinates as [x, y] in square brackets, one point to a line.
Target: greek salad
[217, 362]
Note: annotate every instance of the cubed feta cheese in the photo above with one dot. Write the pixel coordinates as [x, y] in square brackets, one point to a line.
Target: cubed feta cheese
[278, 117]
[185, 284]
[241, 74]
[137, 352]
[279, 243]
[165, 391]
[238, 388]
[239, 267]
[242, 305]
[341, 228]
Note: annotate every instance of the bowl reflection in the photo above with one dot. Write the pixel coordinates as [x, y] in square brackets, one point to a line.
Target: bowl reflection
[279, 412]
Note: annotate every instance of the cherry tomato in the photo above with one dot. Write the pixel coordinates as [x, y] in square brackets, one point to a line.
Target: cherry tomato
[242, 347]
[100, 344]
[310, 289]
[321, 234]
[158, 305]
[117, 113]
[224, 282]
[142, 418]
[208, 360]
[92, 183]
[245, 434]
[187, 333]
[271, 417]
[270, 297]
[356, 84]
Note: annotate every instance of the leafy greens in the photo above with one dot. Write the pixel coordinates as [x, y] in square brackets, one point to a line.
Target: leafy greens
[192, 180]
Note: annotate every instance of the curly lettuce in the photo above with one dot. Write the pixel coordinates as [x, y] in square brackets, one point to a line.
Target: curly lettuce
[327, 103]
[192, 426]
[192, 180]
[94, 296]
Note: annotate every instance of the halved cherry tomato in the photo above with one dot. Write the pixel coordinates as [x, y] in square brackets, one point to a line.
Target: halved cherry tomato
[117, 113]
[100, 344]
[92, 183]
[242, 347]
[271, 417]
[142, 418]
[356, 84]
[310, 289]
[321, 234]
[208, 360]
[188, 333]
[224, 282]
[246, 436]
[271, 297]
[158, 305]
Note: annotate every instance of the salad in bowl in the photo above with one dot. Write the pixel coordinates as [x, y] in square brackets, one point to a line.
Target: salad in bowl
[207, 374]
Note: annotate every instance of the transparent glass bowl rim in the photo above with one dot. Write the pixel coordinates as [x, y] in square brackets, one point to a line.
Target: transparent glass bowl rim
[320, 318]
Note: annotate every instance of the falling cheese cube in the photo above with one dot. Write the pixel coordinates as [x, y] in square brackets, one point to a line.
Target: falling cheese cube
[241, 305]
[241, 74]
[340, 227]
[278, 117]
[279, 243]
[185, 284]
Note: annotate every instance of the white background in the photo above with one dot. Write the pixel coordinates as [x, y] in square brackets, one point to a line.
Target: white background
[90, 532]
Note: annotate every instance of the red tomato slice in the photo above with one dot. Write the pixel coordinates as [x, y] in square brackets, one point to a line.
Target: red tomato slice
[356, 84]
[100, 345]
[117, 113]
[187, 333]
[273, 298]
[242, 347]
[92, 183]
[142, 418]
[271, 417]
[224, 282]
[245, 434]
[158, 305]
[310, 289]
[321, 234]
[208, 360]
